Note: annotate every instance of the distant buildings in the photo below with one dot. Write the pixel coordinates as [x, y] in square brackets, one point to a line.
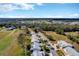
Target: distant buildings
[23, 27]
[64, 22]
[11, 28]
[67, 48]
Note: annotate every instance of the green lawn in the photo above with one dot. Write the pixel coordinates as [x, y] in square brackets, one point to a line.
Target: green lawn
[3, 34]
[8, 41]
[5, 42]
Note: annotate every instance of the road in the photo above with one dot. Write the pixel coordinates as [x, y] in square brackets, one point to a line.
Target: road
[35, 46]
[49, 44]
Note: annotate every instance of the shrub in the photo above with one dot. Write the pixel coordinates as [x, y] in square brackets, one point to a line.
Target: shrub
[59, 31]
[60, 53]
[50, 38]
[46, 49]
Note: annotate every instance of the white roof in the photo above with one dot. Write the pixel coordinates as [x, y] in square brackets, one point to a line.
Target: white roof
[71, 51]
[63, 44]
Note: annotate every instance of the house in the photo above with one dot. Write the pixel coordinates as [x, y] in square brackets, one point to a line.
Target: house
[67, 48]
[23, 27]
[11, 28]
[63, 44]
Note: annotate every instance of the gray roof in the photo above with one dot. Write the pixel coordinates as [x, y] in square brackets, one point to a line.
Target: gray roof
[64, 44]
[68, 48]
[71, 51]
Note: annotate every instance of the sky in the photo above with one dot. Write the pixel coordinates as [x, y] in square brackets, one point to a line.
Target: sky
[39, 10]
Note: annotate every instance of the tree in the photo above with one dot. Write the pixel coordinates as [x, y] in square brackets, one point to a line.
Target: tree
[24, 42]
[59, 30]
[46, 49]
[50, 38]
[21, 40]
[73, 38]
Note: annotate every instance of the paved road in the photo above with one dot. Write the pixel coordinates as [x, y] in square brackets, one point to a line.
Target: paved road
[49, 45]
[35, 46]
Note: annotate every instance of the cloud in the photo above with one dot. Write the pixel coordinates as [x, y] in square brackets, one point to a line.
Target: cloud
[74, 15]
[30, 16]
[58, 16]
[26, 6]
[5, 7]
[54, 16]
[36, 16]
[17, 16]
[39, 4]
[13, 16]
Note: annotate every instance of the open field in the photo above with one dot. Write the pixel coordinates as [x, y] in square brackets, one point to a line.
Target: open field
[38, 38]
[57, 36]
[62, 37]
[75, 34]
[3, 34]
[9, 44]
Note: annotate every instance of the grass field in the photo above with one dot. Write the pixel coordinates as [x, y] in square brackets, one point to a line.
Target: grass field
[3, 34]
[76, 34]
[72, 33]
[62, 37]
[57, 36]
[9, 44]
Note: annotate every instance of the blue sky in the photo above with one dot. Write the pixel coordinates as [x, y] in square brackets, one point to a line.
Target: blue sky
[46, 10]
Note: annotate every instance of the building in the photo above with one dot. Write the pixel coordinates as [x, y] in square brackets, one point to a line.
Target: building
[11, 28]
[68, 48]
